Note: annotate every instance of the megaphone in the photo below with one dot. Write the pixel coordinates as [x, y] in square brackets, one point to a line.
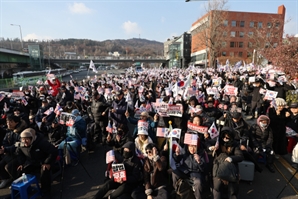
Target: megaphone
[180, 84]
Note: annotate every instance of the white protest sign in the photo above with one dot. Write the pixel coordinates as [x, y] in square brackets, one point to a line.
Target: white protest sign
[175, 110]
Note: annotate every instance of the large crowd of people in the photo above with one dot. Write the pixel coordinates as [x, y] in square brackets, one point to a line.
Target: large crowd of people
[173, 131]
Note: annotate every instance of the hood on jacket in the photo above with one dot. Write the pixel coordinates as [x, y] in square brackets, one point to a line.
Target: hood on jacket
[263, 117]
[130, 145]
[227, 131]
[20, 127]
[29, 132]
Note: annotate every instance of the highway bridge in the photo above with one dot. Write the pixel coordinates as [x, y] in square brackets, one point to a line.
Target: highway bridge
[12, 56]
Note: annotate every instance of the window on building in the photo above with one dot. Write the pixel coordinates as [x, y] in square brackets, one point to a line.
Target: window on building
[242, 23]
[268, 34]
[224, 33]
[226, 22]
[233, 23]
[276, 24]
[260, 24]
[252, 24]
[267, 44]
[248, 54]
[224, 53]
[241, 34]
[269, 25]
[233, 33]
[240, 44]
[249, 44]
[231, 54]
[250, 34]
[274, 45]
[224, 44]
[232, 44]
[240, 54]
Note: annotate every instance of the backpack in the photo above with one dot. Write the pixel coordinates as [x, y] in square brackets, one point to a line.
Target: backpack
[183, 189]
[224, 170]
[295, 154]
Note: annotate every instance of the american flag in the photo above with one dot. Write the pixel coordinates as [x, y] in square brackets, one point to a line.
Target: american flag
[49, 111]
[162, 132]
[148, 107]
[58, 109]
[191, 139]
[109, 128]
[110, 156]
[1, 97]
[139, 154]
[213, 131]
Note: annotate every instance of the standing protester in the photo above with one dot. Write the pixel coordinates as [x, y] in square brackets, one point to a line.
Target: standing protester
[279, 117]
[99, 109]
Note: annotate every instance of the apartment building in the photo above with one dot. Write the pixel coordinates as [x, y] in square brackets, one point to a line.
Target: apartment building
[240, 34]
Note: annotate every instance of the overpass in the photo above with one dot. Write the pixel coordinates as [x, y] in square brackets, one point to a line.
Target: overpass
[12, 56]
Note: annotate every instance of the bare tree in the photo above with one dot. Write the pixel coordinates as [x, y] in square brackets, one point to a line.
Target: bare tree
[265, 38]
[210, 33]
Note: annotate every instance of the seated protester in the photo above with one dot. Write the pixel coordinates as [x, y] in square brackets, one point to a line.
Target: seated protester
[36, 154]
[42, 110]
[133, 168]
[69, 107]
[233, 102]
[14, 128]
[228, 151]
[24, 116]
[151, 123]
[119, 139]
[262, 140]
[65, 96]
[155, 175]
[192, 103]
[211, 110]
[74, 135]
[51, 101]
[55, 132]
[207, 121]
[32, 123]
[293, 122]
[243, 136]
[142, 141]
[191, 165]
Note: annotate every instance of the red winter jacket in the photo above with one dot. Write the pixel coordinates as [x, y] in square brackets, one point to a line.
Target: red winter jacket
[55, 87]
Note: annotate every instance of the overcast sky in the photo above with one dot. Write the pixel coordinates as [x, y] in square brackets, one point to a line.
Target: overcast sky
[123, 19]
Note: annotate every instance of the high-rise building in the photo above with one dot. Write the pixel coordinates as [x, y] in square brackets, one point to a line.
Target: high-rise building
[237, 37]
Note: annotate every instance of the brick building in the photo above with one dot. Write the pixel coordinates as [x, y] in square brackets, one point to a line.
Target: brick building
[240, 33]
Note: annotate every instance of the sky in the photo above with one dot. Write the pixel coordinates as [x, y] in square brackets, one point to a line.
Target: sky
[101, 20]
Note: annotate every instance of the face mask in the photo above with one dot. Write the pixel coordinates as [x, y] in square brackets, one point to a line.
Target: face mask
[49, 101]
[271, 84]
[254, 85]
[263, 125]
[26, 93]
[126, 154]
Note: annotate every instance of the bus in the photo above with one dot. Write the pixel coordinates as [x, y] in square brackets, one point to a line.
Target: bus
[25, 78]
[138, 67]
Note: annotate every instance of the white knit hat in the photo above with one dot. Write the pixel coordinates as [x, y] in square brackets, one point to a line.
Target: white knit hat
[280, 102]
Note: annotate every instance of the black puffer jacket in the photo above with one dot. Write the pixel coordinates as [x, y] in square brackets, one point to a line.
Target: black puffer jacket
[98, 107]
[40, 152]
[262, 137]
[133, 166]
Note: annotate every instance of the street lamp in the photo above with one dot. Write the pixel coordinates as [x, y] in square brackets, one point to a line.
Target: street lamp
[20, 33]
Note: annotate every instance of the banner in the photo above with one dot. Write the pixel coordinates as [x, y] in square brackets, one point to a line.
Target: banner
[143, 125]
[119, 172]
[199, 129]
[175, 110]
[230, 90]
[67, 119]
